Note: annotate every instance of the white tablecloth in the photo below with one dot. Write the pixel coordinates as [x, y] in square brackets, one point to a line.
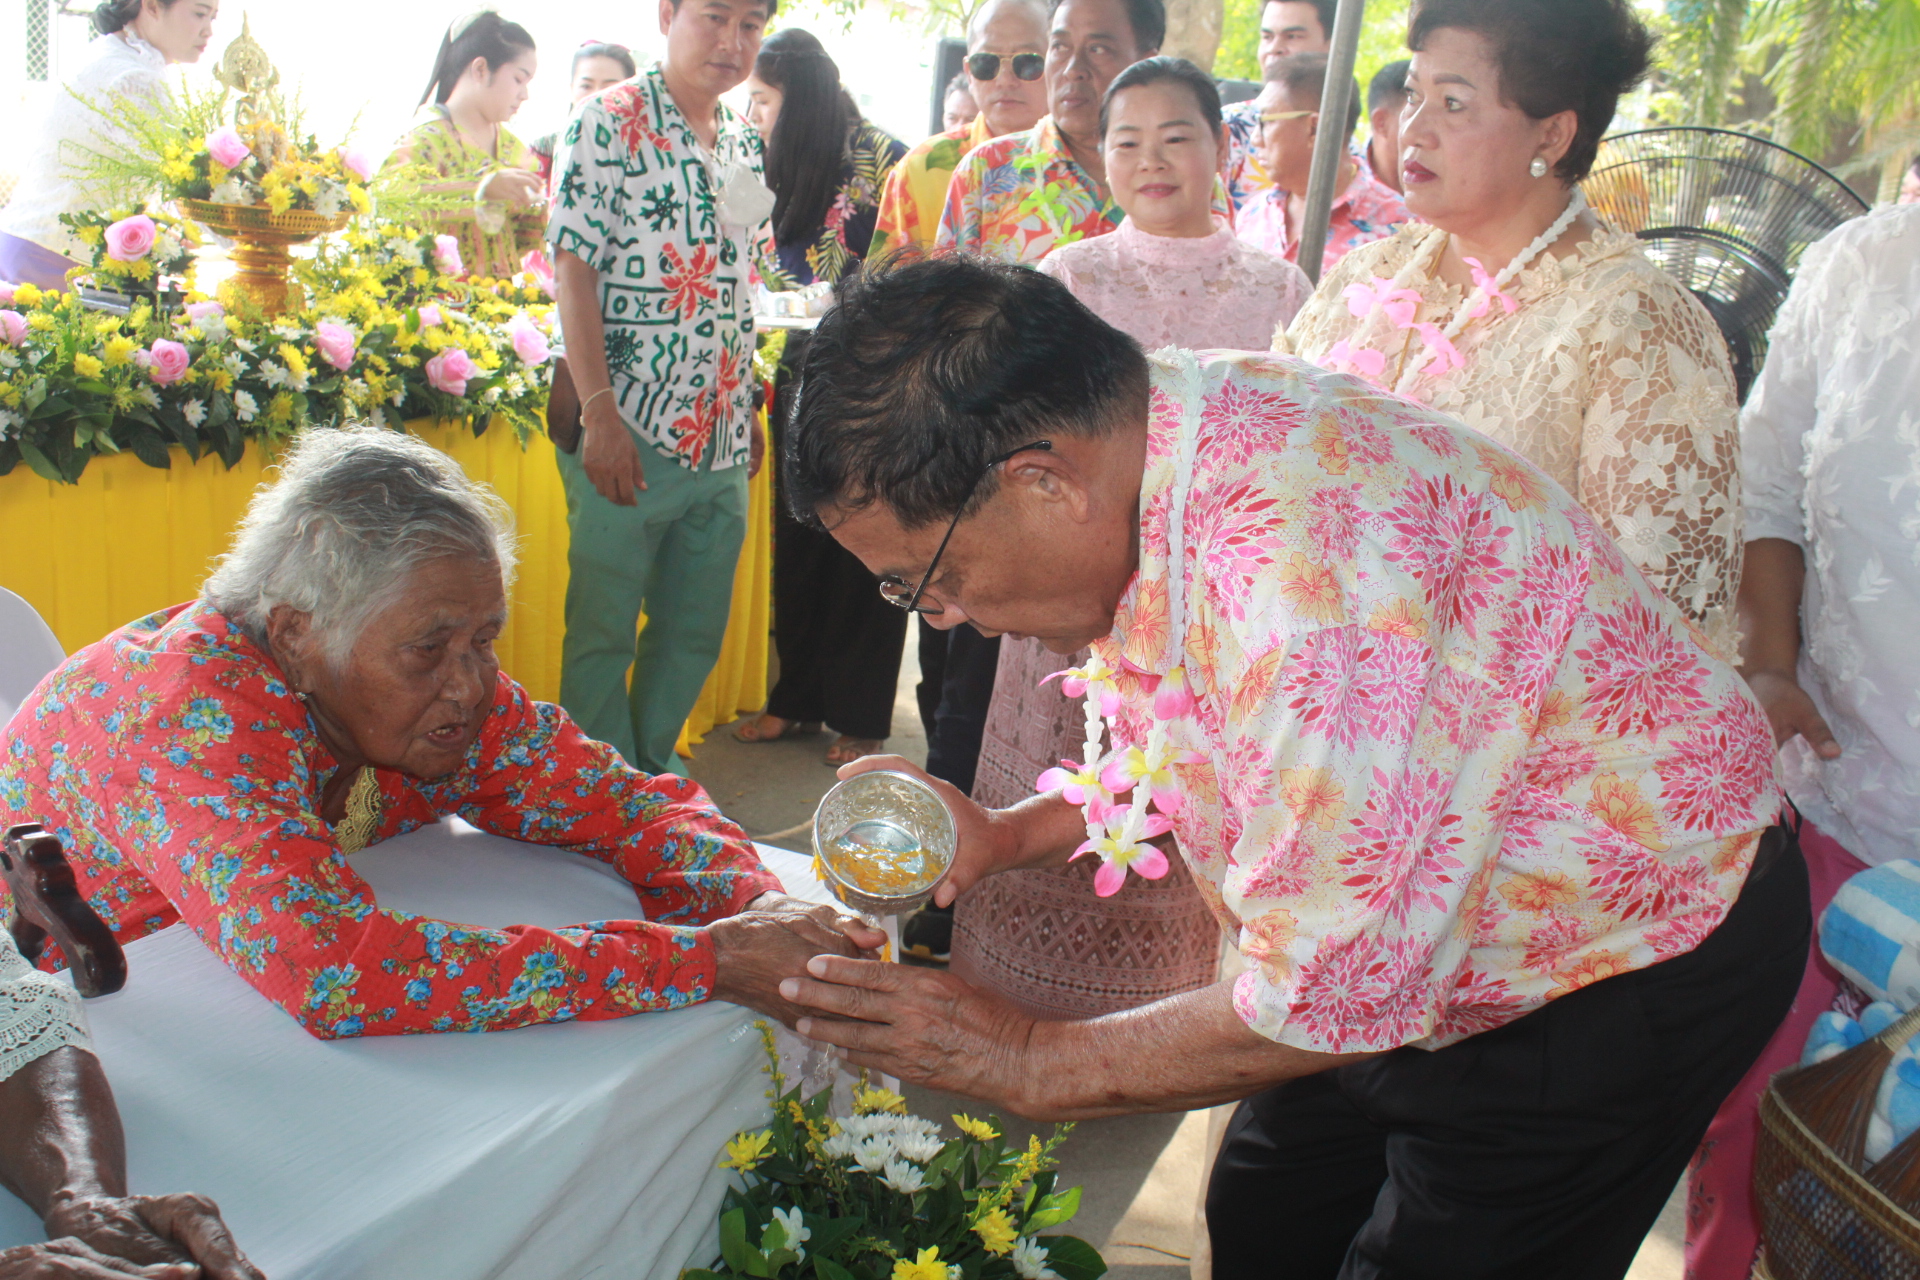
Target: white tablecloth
[548, 1153]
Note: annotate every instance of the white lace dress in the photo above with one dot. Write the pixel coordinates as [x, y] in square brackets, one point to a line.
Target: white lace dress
[1201, 292]
[117, 66]
[1832, 439]
[38, 1012]
[1609, 377]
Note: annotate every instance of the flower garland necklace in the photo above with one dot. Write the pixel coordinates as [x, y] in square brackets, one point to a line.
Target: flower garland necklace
[1401, 306]
[1118, 829]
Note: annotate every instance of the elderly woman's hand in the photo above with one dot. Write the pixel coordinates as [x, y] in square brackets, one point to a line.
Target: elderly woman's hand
[70, 1259]
[774, 939]
[156, 1235]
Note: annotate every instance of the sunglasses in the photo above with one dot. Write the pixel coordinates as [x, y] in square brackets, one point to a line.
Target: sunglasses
[1275, 117]
[897, 591]
[986, 66]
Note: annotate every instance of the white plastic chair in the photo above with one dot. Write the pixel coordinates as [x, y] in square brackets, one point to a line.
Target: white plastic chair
[28, 652]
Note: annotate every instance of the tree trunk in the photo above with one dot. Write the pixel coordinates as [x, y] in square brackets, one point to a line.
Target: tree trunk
[1193, 30]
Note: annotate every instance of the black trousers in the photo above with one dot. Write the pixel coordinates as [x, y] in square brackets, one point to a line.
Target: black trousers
[838, 641]
[1540, 1150]
[955, 689]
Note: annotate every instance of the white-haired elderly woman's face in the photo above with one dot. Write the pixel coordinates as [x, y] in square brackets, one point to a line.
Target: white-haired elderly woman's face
[419, 681]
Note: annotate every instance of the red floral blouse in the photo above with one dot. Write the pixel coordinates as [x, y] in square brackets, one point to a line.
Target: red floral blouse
[184, 778]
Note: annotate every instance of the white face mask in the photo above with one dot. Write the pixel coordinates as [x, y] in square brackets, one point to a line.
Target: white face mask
[742, 201]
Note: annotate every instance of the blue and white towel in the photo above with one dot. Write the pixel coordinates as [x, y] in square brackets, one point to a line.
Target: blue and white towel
[1870, 932]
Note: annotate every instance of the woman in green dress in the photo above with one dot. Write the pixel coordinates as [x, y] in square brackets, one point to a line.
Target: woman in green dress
[479, 82]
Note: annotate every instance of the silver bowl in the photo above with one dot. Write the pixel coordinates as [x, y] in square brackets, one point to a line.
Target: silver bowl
[890, 811]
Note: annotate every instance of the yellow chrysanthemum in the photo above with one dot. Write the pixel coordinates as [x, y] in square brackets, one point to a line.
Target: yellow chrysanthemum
[279, 200]
[925, 1267]
[296, 361]
[90, 234]
[996, 1231]
[978, 1130]
[217, 377]
[40, 321]
[176, 171]
[280, 411]
[119, 350]
[747, 1150]
[867, 1101]
[87, 366]
[26, 295]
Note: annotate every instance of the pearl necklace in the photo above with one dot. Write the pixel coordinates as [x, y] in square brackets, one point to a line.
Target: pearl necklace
[1399, 304]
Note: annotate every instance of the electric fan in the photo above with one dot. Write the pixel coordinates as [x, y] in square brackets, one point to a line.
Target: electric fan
[1726, 214]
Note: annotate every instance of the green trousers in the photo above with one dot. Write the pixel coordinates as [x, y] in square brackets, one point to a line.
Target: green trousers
[672, 554]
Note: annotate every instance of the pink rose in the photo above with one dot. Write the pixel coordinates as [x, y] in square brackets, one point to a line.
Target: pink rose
[13, 327]
[6, 293]
[201, 310]
[357, 162]
[166, 361]
[130, 239]
[528, 342]
[334, 343]
[226, 148]
[429, 316]
[536, 265]
[446, 252]
[450, 370]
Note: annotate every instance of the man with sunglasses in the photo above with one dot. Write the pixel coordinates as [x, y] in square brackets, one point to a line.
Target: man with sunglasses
[1492, 827]
[1017, 197]
[1005, 61]
[1364, 208]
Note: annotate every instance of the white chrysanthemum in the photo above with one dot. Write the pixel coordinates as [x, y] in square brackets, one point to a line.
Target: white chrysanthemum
[9, 423]
[231, 192]
[840, 1146]
[212, 328]
[903, 1177]
[918, 1147]
[793, 1224]
[245, 346]
[149, 397]
[915, 1126]
[490, 396]
[8, 360]
[873, 1153]
[1030, 1260]
[332, 198]
[194, 412]
[245, 405]
[275, 374]
[235, 365]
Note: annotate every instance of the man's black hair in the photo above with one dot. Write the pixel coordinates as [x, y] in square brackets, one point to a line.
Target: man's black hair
[1388, 88]
[1322, 9]
[927, 368]
[1148, 18]
[1305, 76]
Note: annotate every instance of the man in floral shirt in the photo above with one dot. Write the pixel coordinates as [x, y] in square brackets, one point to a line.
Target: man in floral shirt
[1017, 197]
[1490, 825]
[655, 202]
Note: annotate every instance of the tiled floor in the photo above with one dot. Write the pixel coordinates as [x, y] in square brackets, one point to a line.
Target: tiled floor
[1140, 1175]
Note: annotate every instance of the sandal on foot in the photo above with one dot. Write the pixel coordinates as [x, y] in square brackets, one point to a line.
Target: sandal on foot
[846, 750]
[751, 731]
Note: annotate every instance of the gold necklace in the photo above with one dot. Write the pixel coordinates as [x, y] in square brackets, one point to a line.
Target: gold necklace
[365, 806]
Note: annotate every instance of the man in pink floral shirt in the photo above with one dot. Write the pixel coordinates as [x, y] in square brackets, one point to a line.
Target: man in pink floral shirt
[1491, 828]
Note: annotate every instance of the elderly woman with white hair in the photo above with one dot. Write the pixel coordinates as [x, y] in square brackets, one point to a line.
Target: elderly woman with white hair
[335, 685]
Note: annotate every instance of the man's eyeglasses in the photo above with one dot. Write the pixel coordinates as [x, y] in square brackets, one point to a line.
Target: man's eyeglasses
[986, 66]
[1275, 117]
[895, 591]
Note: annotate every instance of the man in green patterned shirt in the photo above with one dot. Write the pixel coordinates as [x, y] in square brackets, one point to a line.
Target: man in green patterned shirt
[658, 194]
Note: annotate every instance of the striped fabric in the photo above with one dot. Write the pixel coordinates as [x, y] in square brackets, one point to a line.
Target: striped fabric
[1870, 932]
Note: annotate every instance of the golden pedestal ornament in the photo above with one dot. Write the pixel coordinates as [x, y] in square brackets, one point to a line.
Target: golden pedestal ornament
[261, 240]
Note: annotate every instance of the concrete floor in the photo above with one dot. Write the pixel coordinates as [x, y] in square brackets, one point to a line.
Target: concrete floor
[1140, 1175]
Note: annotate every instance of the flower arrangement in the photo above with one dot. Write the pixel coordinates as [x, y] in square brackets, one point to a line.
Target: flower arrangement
[879, 1195]
[136, 249]
[377, 339]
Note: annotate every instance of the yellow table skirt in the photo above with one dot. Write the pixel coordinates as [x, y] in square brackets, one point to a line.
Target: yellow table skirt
[129, 539]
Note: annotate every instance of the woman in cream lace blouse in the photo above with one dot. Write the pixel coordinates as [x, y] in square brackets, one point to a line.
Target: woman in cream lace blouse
[1518, 311]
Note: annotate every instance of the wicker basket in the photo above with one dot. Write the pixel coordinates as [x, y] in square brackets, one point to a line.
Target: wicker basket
[1820, 1219]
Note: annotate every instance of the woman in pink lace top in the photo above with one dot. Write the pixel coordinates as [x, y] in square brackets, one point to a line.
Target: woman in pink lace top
[1173, 273]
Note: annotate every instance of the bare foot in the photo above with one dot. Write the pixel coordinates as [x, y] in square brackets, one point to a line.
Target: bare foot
[846, 750]
[766, 728]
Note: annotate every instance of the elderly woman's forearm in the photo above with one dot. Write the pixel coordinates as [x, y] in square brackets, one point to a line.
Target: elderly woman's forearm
[1179, 1054]
[63, 1132]
[1769, 603]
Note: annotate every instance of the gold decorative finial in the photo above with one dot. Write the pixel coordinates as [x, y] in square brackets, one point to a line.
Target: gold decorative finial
[247, 72]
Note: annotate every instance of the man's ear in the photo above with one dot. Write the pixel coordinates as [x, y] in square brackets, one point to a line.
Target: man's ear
[667, 9]
[1051, 479]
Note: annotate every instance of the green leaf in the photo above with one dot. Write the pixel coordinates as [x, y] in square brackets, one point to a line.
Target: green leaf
[1055, 1209]
[49, 407]
[1074, 1258]
[700, 1273]
[827, 1269]
[150, 449]
[733, 1241]
[42, 465]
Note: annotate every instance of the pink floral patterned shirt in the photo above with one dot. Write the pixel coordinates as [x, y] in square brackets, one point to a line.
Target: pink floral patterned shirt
[1457, 757]
[1366, 211]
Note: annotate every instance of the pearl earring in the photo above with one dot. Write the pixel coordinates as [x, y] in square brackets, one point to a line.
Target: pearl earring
[1538, 168]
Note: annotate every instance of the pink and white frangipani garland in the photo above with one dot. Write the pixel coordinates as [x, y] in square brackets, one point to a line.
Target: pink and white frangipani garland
[1401, 307]
[1118, 829]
